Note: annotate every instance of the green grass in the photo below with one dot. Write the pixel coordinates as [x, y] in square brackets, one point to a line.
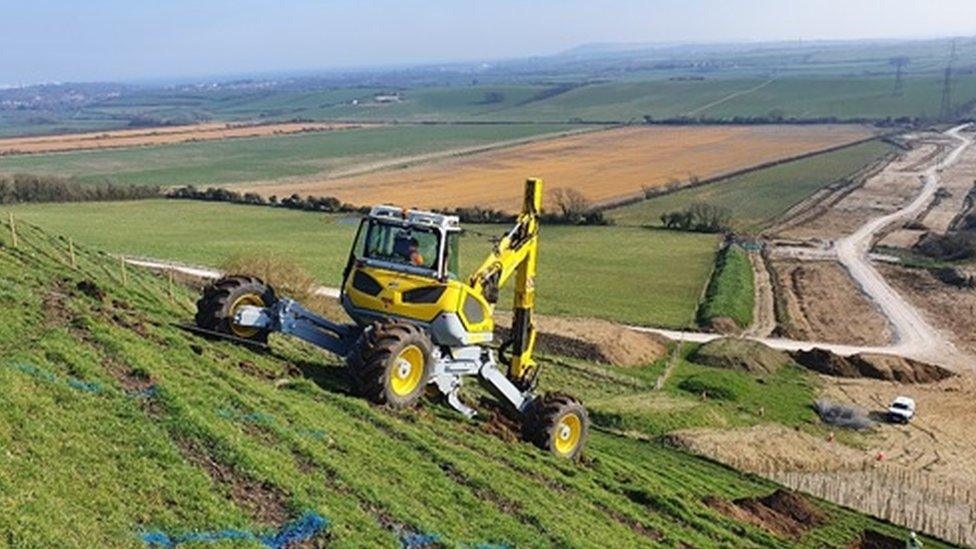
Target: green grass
[757, 198]
[731, 292]
[264, 158]
[847, 98]
[628, 274]
[97, 468]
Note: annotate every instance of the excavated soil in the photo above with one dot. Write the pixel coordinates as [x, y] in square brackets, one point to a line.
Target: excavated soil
[740, 354]
[939, 439]
[590, 339]
[876, 540]
[873, 366]
[884, 193]
[957, 182]
[950, 309]
[768, 447]
[783, 512]
[824, 304]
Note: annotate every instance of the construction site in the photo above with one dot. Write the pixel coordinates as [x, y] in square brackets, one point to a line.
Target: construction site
[648, 294]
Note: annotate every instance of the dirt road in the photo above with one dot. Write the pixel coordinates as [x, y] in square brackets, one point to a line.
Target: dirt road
[914, 337]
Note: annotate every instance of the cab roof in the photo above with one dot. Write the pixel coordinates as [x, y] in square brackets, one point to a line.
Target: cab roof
[418, 218]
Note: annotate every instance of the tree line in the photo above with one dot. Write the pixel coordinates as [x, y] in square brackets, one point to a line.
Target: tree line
[22, 188]
[570, 206]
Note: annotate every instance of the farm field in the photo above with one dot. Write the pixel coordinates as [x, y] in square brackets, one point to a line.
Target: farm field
[602, 165]
[847, 98]
[130, 430]
[157, 136]
[581, 266]
[759, 197]
[244, 159]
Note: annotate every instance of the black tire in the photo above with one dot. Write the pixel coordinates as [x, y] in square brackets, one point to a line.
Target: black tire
[558, 423]
[220, 299]
[376, 364]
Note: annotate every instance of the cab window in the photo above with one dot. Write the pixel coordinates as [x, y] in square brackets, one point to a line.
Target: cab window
[407, 246]
[453, 255]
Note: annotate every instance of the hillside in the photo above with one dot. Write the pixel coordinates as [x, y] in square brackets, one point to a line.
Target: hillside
[118, 428]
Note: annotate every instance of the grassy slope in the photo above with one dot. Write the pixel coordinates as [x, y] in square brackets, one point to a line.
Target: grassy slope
[581, 268]
[83, 468]
[263, 158]
[730, 292]
[757, 198]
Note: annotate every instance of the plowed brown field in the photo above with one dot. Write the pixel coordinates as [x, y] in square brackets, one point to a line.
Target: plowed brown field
[603, 165]
[156, 136]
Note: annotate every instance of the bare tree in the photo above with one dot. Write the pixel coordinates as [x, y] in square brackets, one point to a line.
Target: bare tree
[571, 203]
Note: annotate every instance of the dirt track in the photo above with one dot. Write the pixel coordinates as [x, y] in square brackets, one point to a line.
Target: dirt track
[602, 165]
[157, 136]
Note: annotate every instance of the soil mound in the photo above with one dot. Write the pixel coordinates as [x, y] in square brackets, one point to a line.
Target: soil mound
[874, 366]
[591, 339]
[740, 354]
[723, 325]
[876, 540]
[783, 512]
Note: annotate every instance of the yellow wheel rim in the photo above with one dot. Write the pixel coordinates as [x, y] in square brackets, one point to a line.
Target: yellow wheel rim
[407, 371]
[246, 299]
[567, 434]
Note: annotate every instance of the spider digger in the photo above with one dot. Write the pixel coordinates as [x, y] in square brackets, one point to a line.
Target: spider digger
[417, 323]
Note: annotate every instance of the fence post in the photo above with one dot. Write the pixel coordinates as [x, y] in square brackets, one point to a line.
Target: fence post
[13, 229]
[125, 278]
[71, 252]
[169, 277]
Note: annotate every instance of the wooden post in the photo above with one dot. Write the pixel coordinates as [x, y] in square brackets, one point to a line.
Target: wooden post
[169, 277]
[125, 278]
[13, 229]
[71, 252]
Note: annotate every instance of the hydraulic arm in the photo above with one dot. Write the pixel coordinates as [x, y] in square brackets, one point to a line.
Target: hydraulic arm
[516, 254]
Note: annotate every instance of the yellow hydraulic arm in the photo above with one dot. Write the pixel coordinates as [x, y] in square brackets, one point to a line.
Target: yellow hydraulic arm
[516, 254]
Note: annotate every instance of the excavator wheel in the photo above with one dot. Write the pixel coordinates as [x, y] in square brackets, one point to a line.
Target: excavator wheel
[221, 299]
[391, 363]
[558, 423]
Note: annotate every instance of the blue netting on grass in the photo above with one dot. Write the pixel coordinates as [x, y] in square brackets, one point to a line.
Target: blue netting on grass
[77, 384]
[148, 392]
[301, 529]
[413, 540]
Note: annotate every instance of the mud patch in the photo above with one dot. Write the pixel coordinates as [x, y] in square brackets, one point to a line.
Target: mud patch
[820, 302]
[876, 540]
[592, 340]
[740, 354]
[502, 427]
[263, 501]
[873, 366]
[90, 289]
[782, 513]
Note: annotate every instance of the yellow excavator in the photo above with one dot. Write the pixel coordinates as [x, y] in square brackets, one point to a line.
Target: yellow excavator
[417, 322]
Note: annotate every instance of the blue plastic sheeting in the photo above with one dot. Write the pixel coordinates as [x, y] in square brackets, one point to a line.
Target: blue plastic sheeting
[148, 392]
[304, 528]
[77, 384]
[413, 540]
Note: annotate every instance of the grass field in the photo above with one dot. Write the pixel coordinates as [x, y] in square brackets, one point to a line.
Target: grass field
[580, 270]
[759, 197]
[264, 158]
[603, 165]
[117, 425]
[730, 292]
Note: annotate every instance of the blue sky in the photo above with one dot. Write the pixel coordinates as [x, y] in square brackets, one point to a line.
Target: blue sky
[71, 40]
